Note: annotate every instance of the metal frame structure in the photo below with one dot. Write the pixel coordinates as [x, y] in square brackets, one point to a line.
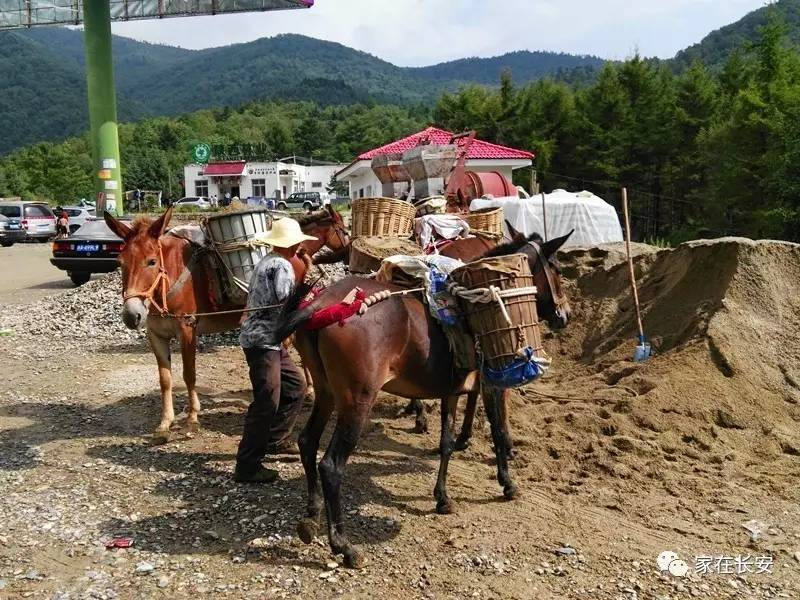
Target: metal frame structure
[96, 17]
[30, 13]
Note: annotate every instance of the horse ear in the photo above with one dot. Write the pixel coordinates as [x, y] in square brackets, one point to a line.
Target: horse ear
[551, 247]
[515, 235]
[159, 226]
[118, 227]
[335, 214]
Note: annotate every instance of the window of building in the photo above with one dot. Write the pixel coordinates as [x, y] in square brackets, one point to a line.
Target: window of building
[201, 187]
[260, 188]
[361, 193]
[316, 184]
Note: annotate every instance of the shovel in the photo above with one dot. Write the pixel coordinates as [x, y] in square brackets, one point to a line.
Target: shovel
[643, 351]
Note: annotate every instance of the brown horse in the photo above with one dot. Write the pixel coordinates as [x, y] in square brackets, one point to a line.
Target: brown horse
[162, 279]
[396, 346]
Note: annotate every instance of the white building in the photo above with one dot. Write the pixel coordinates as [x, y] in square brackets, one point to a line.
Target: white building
[483, 157]
[256, 179]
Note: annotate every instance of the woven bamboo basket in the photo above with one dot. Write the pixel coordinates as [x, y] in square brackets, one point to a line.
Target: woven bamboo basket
[500, 342]
[366, 253]
[387, 217]
[489, 221]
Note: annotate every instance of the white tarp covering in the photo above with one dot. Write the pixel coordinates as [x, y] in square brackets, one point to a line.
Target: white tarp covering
[595, 221]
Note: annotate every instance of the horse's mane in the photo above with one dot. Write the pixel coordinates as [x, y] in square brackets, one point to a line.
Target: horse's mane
[514, 245]
[320, 216]
[140, 224]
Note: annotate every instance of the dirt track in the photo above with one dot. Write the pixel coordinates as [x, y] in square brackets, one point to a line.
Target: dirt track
[28, 274]
[77, 466]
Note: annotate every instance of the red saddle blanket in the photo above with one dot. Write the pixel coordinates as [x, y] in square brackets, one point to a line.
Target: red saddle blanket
[336, 313]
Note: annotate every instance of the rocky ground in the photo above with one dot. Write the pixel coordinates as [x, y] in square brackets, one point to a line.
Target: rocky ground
[78, 469]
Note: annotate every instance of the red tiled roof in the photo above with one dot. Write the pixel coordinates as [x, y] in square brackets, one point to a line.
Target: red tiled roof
[479, 149]
[225, 169]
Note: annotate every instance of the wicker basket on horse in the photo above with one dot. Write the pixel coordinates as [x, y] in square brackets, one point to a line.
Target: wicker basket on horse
[382, 217]
[367, 253]
[508, 324]
[233, 239]
[488, 222]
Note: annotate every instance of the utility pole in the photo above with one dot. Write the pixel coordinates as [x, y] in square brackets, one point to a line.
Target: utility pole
[102, 107]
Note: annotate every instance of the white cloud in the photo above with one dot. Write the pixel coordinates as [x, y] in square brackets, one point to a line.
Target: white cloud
[421, 32]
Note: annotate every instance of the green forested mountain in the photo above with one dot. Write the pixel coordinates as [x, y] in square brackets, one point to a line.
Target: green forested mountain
[42, 90]
[702, 152]
[161, 80]
[718, 46]
[49, 105]
[525, 66]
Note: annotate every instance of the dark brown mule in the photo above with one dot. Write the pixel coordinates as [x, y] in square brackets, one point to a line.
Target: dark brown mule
[160, 278]
[466, 250]
[397, 347]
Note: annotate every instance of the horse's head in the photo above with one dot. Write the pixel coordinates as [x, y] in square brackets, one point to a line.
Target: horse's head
[551, 301]
[144, 281]
[328, 227]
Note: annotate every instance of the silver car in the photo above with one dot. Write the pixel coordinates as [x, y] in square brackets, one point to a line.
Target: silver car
[36, 218]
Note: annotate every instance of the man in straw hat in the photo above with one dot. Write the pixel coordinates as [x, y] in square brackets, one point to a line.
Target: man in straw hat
[278, 385]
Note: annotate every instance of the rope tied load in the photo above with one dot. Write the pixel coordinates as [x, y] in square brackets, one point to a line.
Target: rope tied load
[490, 294]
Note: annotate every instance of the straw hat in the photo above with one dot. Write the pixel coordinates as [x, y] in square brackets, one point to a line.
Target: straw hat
[285, 233]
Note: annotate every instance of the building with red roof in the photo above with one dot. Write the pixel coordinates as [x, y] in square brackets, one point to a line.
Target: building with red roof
[482, 157]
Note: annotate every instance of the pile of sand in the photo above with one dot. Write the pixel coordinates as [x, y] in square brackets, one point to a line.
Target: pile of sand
[719, 399]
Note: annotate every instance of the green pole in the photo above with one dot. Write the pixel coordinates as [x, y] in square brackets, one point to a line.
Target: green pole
[102, 106]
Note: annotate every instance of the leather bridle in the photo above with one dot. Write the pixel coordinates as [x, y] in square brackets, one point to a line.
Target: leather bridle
[161, 280]
[559, 299]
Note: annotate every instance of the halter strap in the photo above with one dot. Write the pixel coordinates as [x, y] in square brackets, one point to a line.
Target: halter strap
[162, 280]
[558, 299]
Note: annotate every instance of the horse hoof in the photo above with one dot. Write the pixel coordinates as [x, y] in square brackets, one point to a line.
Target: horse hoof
[421, 427]
[445, 507]
[191, 427]
[353, 559]
[461, 444]
[510, 492]
[310, 394]
[307, 529]
[162, 436]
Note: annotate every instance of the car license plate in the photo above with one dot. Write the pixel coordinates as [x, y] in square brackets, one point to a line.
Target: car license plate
[87, 247]
[12, 226]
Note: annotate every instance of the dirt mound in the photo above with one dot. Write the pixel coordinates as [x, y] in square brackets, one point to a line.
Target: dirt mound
[719, 399]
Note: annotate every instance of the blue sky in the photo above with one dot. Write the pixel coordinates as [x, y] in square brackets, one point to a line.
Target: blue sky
[422, 32]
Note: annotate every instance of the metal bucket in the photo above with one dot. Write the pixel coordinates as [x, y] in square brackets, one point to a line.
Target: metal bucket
[230, 234]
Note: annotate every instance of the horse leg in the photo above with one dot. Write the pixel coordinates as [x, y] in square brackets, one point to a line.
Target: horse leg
[160, 347]
[416, 407]
[462, 443]
[309, 444]
[444, 506]
[189, 356]
[349, 424]
[505, 425]
[309, 383]
[492, 399]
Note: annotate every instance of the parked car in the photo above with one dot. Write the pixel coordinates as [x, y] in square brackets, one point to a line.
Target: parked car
[199, 202]
[93, 248]
[306, 200]
[36, 218]
[11, 231]
[78, 215]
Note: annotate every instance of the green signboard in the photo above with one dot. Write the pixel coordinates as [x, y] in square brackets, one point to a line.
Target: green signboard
[201, 153]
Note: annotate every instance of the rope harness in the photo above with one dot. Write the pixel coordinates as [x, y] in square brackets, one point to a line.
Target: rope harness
[168, 289]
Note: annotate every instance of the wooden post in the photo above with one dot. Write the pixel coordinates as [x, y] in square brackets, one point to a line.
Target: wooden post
[544, 217]
[630, 264]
